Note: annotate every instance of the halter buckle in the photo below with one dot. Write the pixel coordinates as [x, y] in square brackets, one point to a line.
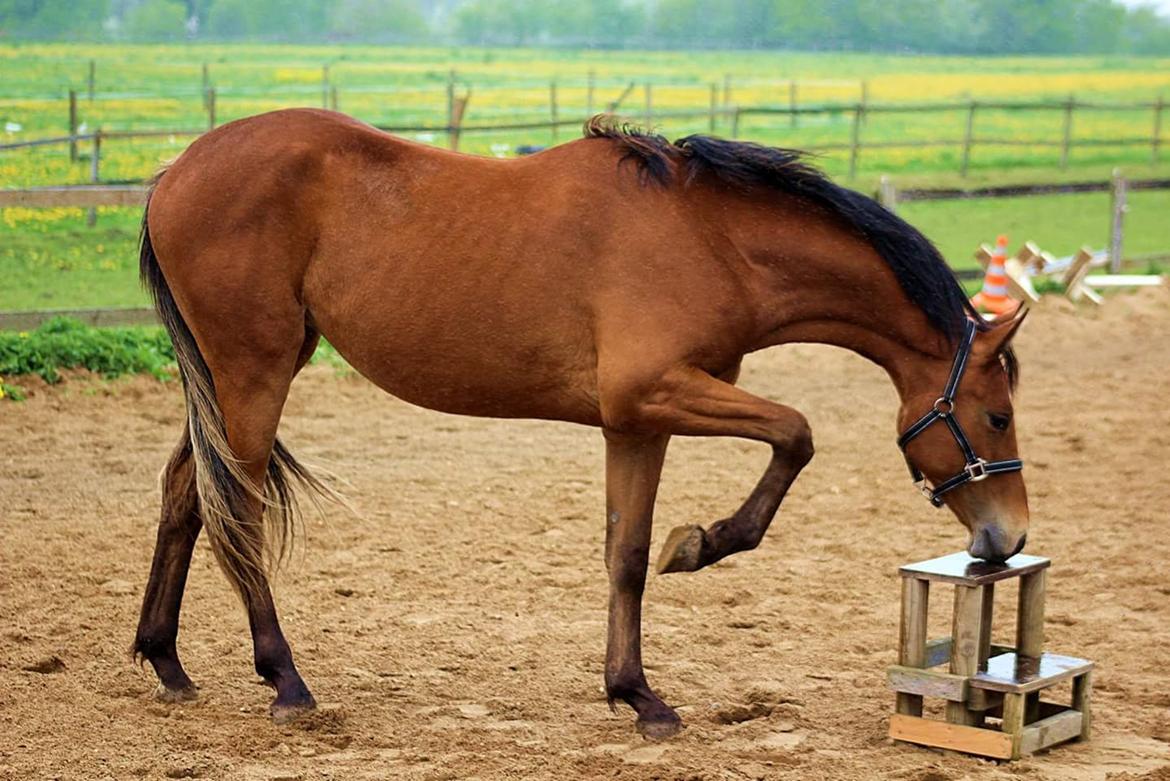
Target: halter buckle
[924, 489]
[944, 406]
[976, 470]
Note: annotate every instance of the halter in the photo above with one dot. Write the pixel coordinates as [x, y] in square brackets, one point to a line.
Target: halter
[976, 468]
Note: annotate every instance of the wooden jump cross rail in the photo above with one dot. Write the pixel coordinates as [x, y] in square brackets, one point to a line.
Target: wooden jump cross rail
[983, 680]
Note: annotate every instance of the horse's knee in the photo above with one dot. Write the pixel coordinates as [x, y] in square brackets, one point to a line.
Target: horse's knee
[797, 446]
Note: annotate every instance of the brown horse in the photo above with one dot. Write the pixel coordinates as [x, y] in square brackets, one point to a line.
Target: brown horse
[615, 281]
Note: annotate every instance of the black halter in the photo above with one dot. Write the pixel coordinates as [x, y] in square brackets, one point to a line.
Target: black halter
[976, 469]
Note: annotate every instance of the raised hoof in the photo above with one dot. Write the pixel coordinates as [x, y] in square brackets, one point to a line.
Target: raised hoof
[188, 693]
[682, 551]
[292, 712]
[660, 726]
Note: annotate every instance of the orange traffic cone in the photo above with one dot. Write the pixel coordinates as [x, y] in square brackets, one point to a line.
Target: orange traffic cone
[994, 296]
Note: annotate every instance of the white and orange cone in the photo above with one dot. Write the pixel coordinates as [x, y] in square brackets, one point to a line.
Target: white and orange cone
[994, 296]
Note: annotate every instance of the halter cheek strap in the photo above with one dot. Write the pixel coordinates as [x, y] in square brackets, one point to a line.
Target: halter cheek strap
[976, 468]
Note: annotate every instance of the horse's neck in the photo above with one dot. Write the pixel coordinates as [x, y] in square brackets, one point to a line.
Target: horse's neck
[820, 286]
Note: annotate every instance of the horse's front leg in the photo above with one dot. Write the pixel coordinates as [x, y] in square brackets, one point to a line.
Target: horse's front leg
[688, 401]
[633, 465]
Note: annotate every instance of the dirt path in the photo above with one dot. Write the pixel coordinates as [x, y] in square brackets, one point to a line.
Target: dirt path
[457, 629]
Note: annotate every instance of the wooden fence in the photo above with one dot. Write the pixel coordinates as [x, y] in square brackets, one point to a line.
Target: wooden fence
[720, 107]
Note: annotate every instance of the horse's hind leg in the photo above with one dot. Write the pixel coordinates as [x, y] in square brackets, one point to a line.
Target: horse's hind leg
[178, 528]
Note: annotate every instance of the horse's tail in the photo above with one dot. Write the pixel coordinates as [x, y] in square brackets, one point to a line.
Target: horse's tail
[246, 543]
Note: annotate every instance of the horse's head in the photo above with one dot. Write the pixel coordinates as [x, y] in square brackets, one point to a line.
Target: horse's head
[965, 443]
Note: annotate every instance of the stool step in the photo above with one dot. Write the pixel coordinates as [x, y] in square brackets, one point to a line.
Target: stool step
[964, 570]
[1012, 673]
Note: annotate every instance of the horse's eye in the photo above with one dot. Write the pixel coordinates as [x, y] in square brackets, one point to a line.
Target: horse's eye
[998, 421]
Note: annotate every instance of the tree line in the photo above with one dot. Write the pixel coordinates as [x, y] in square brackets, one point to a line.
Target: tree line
[928, 26]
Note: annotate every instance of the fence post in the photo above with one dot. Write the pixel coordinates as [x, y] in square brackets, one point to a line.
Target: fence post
[452, 135]
[92, 79]
[649, 90]
[458, 107]
[1117, 224]
[968, 139]
[864, 99]
[333, 97]
[1067, 139]
[714, 108]
[552, 108]
[887, 193]
[324, 86]
[793, 121]
[95, 173]
[206, 81]
[1157, 139]
[73, 125]
[590, 84]
[855, 140]
[735, 123]
[726, 90]
[211, 108]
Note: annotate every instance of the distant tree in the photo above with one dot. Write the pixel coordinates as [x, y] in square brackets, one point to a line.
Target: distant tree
[156, 20]
[377, 20]
[53, 18]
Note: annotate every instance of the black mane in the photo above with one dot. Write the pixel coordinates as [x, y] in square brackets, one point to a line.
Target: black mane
[919, 267]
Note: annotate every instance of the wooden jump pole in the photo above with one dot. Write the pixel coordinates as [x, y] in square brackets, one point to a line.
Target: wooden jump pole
[72, 125]
[968, 139]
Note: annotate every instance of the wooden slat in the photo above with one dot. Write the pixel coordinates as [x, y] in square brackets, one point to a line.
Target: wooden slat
[967, 632]
[1023, 674]
[912, 637]
[1013, 720]
[87, 196]
[927, 683]
[1050, 731]
[1082, 692]
[938, 651]
[1124, 280]
[940, 734]
[964, 570]
[1030, 616]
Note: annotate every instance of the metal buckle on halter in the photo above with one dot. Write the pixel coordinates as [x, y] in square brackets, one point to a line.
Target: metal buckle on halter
[924, 489]
[977, 471]
[944, 406]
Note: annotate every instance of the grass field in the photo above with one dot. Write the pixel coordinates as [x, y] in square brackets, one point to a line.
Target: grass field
[50, 259]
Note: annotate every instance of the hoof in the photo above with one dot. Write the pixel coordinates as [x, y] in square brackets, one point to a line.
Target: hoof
[282, 713]
[188, 693]
[660, 726]
[682, 551]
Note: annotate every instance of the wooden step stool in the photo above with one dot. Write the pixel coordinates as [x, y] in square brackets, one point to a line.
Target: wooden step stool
[983, 680]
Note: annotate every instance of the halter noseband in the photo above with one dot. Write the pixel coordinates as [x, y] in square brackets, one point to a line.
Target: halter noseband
[976, 468]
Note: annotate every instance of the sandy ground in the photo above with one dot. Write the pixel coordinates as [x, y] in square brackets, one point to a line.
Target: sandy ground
[456, 628]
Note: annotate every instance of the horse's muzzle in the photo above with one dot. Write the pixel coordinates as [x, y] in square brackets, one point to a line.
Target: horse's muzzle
[991, 543]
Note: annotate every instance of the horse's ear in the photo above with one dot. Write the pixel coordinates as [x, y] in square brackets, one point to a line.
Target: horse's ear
[1003, 329]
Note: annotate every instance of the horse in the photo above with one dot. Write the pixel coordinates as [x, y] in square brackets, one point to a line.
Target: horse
[614, 281]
